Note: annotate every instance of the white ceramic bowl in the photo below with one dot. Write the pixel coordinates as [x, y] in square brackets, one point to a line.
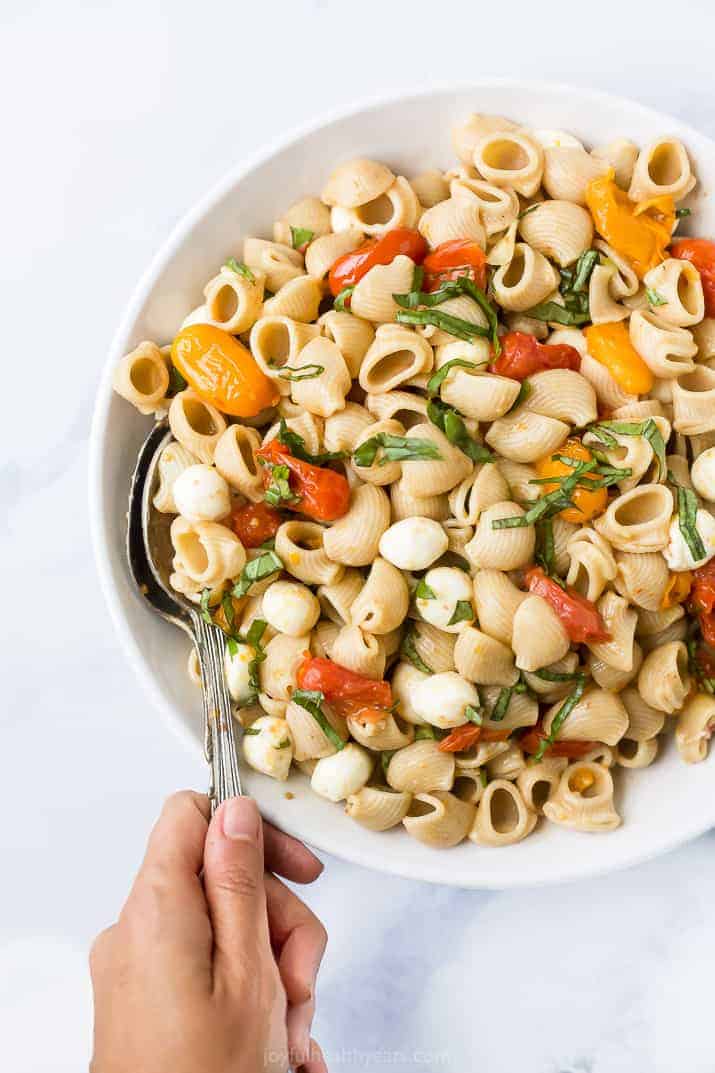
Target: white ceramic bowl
[661, 807]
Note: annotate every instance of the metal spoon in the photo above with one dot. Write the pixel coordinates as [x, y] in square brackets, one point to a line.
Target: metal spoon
[149, 552]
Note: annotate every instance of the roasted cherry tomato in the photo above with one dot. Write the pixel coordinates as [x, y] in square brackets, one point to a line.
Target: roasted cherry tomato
[702, 600]
[346, 692]
[579, 616]
[522, 354]
[639, 231]
[464, 737]
[587, 503]
[322, 493]
[701, 253]
[533, 738]
[255, 523]
[611, 346]
[351, 267]
[450, 260]
[222, 371]
[677, 589]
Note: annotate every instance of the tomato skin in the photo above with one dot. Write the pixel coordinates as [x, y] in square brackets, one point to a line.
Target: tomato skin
[522, 355]
[463, 737]
[351, 267]
[222, 371]
[255, 523]
[572, 750]
[702, 600]
[587, 503]
[610, 345]
[347, 692]
[324, 494]
[701, 253]
[450, 260]
[578, 615]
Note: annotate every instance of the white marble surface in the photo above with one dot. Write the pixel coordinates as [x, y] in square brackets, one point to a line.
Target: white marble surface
[116, 117]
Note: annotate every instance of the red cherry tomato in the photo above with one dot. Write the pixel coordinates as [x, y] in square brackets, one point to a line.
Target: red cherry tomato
[701, 253]
[323, 494]
[255, 523]
[351, 267]
[450, 260]
[462, 738]
[579, 616]
[702, 600]
[522, 355]
[573, 750]
[347, 693]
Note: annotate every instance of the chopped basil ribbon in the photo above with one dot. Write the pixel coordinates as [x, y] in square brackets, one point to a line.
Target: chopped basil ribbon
[456, 326]
[435, 382]
[394, 449]
[241, 269]
[528, 209]
[311, 700]
[257, 570]
[205, 611]
[300, 236]
[504, 700]
[603, 430]
[552, 503]
[558, 314]
[483, 777]
[687, 517]
[451, 423]
[574, 291]
[545, 554]
[283, 744]
[680, 213]
[250, 732]
[424, 592]
[462, 329]
[655, 299]
[524, 392]
[473, 715]
[252, 638]
[425, 733]
[410, 653]
[463, 612]
[305, 372]
[177, 382]
[296, 445]
[562, 714]
[385, 757]
[342, 298]
[557, 676]
[576, 281]
[279, 491]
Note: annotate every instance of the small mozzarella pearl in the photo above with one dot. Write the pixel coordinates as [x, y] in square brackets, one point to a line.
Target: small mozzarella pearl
[290, 608]
[678, 555]
[269, 751]
[344, 773]
[702, 474]
[413, 543]
[442, 698]
[201, 494]
[237, 674]
[449, 586]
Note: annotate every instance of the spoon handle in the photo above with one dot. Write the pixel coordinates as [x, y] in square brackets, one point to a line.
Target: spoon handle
[219, 740]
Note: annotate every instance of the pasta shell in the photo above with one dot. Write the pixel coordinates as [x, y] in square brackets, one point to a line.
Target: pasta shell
[639, 520]
[662, 168]
[564, 395]
[352, 335]
[664, 681]
[300, 546]
[620, 622]
[539, 637]
[484, 660]
[372, 298]
[457, 217]
[377, 809]
[667, 351]
[587, 809]
[173, 461]
[438, 819]
[511, 159]
[235, 459]
[568, 171]
[695, 727]
[561, 230]
[694, 402]
[598, 716]
[324, 251]
[526, 280]
[421, 768]
[484, 486]
[497, 600]
[197, 425]
[383, 601]
[502, 816]
[481, 397]
[537, 782]
[526, 436]
[430, 477]
[356, 182]
[501, 549]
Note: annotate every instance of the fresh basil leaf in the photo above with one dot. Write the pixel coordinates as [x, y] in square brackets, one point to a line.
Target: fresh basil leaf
[424, 592]
[557, 314]
[473, 715]
[410, 653]
[205, 610]
[463, 612]
[456, 326]
[558, 721]
[528, 209]
[451, 423]
[342, 298]
[300, 236]
[304, 372]
[687, 518]
[255, 632]
[312, 700]
[524, 392]
[483, 777]
[557, 676]
[229, 612]
[385, 757]
[394, 449]
[241, 268]
[502, 704]
[648, 428]
[545, 554]
[257, 570]
[177, 382]
[655, 299]
[279, 490]
[296, 445]
[425, 733]
[682, 213]
[250, 732]
[435, 382]
[283, 744]
[582, 273]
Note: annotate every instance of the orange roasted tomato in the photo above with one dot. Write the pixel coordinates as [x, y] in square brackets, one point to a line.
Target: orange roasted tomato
[701, 253]
[639, 231]
[222, 371]
[610, 345]
[587, 503]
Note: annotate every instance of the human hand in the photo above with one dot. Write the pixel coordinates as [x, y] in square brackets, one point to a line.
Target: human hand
[214, 974]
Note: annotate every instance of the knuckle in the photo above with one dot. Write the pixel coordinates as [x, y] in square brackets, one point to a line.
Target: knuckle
[238, 879]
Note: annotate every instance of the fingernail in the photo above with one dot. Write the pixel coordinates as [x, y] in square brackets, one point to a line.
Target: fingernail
[240, 819]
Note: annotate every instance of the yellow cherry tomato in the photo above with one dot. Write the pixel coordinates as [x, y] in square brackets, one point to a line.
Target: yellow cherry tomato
[610, 344]
[587, 503]
[222, 371]
[677, 590]
[640, 231]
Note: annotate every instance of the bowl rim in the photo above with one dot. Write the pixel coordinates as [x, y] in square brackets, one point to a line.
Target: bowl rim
[99, 432]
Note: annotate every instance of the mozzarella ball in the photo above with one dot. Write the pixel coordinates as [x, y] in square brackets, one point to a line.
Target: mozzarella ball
[268, 746]
[404, 678]
[678, 555]
[442, 698]
[291, 608]
[702, 474]
[342, 774]
[201, 494]
[449, 586]
[238, 674]
[413, 543]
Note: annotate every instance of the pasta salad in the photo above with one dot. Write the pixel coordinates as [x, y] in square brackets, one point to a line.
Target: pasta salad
[443, 471]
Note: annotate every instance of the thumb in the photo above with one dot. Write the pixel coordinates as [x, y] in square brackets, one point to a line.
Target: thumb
[233, 882]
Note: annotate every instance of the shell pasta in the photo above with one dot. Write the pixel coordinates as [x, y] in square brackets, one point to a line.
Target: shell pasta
[442, 470]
